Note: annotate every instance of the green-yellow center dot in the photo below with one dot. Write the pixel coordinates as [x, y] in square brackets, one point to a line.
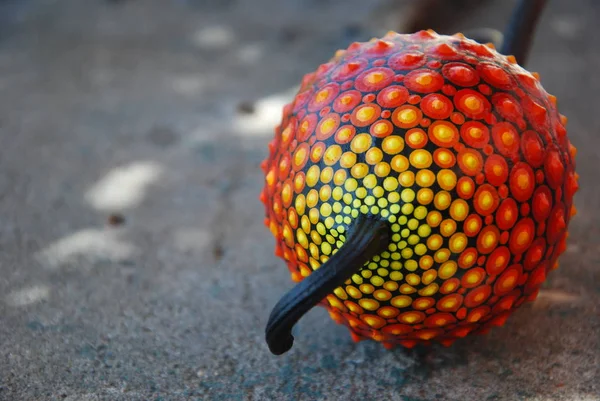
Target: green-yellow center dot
[413, 239]
[407, 208]
[406, 254]
[396, 265]
[382, 202]
[402, 220]
[411, 265]
[378, 191]
[376, 280]
[420, 249]
[396, 276]
[393, 197]
[408, 195]
[413, 224]
[424, 230]
[361, 192]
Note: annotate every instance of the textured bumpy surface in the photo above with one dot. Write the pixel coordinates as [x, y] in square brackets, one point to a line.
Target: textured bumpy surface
[459, 148]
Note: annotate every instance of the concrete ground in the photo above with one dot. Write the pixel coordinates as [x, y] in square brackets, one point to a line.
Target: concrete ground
[158, 112]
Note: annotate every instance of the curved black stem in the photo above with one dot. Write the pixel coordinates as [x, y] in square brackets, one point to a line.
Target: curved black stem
[367, 236]
[520, 29]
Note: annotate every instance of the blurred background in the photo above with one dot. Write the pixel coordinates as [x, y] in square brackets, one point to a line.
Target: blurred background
[134, 264]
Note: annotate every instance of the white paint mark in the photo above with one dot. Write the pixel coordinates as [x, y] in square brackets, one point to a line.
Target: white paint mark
[123, 187]
[28, 296]
[213, 37]
[90, 245]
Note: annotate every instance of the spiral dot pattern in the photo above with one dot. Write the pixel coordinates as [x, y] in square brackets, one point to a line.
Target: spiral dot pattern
[459, 149]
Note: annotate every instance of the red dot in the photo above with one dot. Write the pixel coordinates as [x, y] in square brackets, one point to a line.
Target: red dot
[554, 168]
[508, 280]
[460, 74]
[525, 209]
[475, 134]
[507, 106]
[532, 148]
[496, 170]
[477, 296]
[522, 236]
[392, 96]
[495, 76]
[437, 106]
[506, 138]
[369, 98]
[522, 182]
[347, 101]
[423, 81]
[507, 214]
[535, 254]
[497, 261]
[449, 90]
[472, 104]
[414, 99]
[407, 60]
[374, 79]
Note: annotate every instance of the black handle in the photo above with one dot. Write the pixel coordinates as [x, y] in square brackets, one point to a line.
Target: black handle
[367, 237]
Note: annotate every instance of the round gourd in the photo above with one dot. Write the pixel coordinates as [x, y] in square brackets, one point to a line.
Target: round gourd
[456, 151]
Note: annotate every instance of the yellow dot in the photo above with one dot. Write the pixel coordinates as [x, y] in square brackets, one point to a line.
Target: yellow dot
[390, 183]
[447, 269]
[361, 143]
[407, 116]
[315, 237]
[376, 280]
[300, 204]
[406, 253]
[325, 193]
[350, 185]
[424, 230]
[378, 191]
[339, 177]
[332, 155]
[408, 195]
[446, 179]
[364, 209]
[459, 210]
[486, 199]
[382, 202]
[321, 229]
[472, 102]
[458, 243]
[425, 178]
[442, 200]
[420, 158]
[430, 290]
[340, 293]
[443, 132]
[382, 169]
[370, 181]
[407, 178]
[393, 197]
[411, 265]
[448, 227]
[313, 215]
[365, 114]
[413, 279]
[420, 249]
[357, 279]
[413, 239]
[442, 255]
[425, 196]
[305, 223]
[420, 212]
[348, 159]
[327, 174]
[401, 301]
[326, 248]
[407, 208]
[374, 156]
[325, 209]
[302, 238]
[337, 194]
[361, 192]
[354, 292]
[329, 222]
[399, 163]
[434, 242]
[392, 144]
[370, 200]
[413, 224]
[312, 198]
[312, 175]
[359, 170]
[368, 304]
[367, 288]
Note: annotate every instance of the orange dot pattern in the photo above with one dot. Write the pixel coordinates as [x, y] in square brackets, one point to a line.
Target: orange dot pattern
[459, 149]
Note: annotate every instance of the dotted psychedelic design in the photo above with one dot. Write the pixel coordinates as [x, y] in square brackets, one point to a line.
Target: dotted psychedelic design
[459, 149]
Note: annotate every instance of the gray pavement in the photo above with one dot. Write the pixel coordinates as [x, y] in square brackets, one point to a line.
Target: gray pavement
[160, 111]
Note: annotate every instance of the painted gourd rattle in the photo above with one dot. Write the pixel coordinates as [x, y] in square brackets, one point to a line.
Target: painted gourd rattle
[419, 188]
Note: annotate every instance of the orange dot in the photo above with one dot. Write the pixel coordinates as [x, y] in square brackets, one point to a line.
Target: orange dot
[444, 158]
[443, 133]
[406, 116]
[416, 138]
[470, 161]
[488, 239]
[486, 200]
